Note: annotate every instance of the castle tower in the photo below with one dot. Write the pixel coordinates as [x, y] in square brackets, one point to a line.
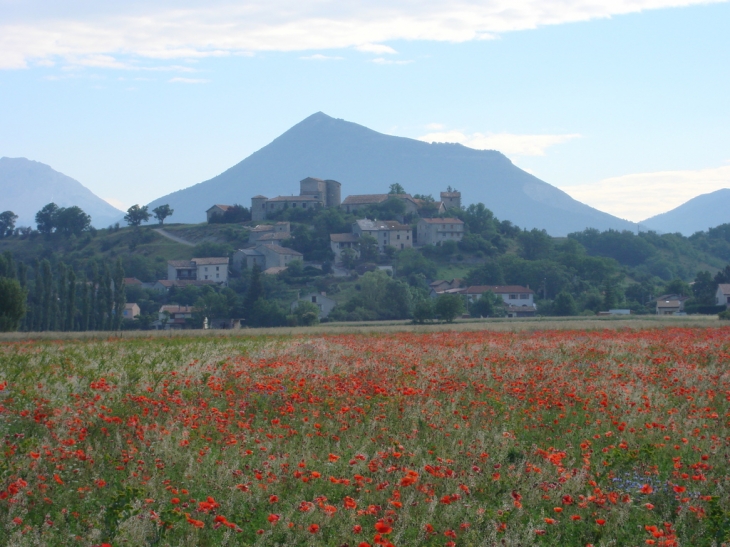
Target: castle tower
[258, 207]
[334, 195]
[317, 188]
[451, 199]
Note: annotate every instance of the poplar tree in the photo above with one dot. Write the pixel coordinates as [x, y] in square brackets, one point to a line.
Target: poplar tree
[47, 304]
[59, 303]
[120, 298]
[93, 298]
[37, 320]
[71, 301]
[86, 289]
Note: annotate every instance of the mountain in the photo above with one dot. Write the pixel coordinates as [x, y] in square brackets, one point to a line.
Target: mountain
[698, 214]
[26, 186]
[367, 162]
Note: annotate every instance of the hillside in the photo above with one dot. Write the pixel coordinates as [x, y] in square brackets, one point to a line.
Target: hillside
[26, 186]
[366, 161]
[700, 213]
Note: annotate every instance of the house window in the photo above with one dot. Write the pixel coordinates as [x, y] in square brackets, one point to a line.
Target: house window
[206, 277]
[206, 268]
[314, 299]
[217, 276]
[293, 204]
[408, 237]
[524, 297]
[217, 268]
[513, 297]
[398, 236]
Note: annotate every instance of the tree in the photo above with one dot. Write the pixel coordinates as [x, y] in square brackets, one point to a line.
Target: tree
[564, 305]
[162, 212]
[449, 306]
[396, 188]
[71, 220]
[368, 248]
[488, 273]
[212, 305]
[306, 314]
[410, 261]
[254, 293]
[12, 304]
[704, 288]
[46, 218]
[7, 223]
[488, 305]
[120, 298]
[136, 215]
[535, 244]
[423, 311]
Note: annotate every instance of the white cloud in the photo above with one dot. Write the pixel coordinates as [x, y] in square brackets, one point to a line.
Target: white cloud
[377, 49]
[114, 202]
[181, 29]
[507, 143]
[320, 57]
[382, 61]
[188, 81]
[639, 196]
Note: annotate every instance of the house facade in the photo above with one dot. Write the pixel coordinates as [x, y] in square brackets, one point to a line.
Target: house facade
[435, 231]
[512, 295]
[265, 257]
[321, 300]
[199, 269]
[451, 199]
[386, 232]
[313, 193]
[216, 210]
[270, 232]
[340, 242]
[130, 311]
[722, 296]
[174, 317]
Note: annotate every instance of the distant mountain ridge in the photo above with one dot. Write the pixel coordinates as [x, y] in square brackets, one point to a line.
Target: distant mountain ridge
[26, 186]
[698, 214]
[367, 162]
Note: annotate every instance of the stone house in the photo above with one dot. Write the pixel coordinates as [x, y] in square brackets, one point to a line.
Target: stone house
[130, 311]
[340, 242]
[199, 269]
[265, 257]
[386, 232]
[313, 193]
[352, 204]
[513, 295]
[451, 199]
[435, 231]
[173, 316]
[216, 210]
[278, 231]
[669, 307]
[321, 300]
[722, 296]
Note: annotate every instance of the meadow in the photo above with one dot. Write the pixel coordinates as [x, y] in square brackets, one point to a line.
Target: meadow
[469, 437]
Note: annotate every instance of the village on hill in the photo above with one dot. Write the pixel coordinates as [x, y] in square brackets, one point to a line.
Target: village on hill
[316, 257]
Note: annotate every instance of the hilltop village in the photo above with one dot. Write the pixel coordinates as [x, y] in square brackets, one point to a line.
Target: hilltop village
[315, 257]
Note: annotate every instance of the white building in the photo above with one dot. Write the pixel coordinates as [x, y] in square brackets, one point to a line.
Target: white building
[435, 231]
[199, 269]
[386, 232]
[513, 295]
[722, 296]
[321, 300]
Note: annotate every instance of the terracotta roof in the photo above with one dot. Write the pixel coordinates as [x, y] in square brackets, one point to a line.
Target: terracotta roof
[170, 308]
[724, 287]
[221, 207]
[185, 282]
[282, 250]
[367, 224]
[275, 236]
[211, 260]
[181, 263]
[274, 270]
[442, 221]
[499, 289]
[344, 238]
[132, 281]
[668, 304]
[294, 198]
[365, 199]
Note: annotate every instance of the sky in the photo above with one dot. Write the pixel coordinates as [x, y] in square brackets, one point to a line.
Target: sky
[621, 103]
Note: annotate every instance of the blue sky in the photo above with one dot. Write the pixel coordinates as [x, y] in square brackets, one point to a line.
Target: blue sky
[623, 104]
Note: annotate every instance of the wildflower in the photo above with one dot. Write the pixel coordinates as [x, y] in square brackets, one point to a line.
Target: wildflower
[600, 522]
[313, 528]
[383, 528]
[273, 518]
[646, 489]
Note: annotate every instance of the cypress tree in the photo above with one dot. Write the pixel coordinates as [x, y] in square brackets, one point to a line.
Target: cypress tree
[23, 280]
[59, 316]
[71, 302]
[85, 305]
[93, 298]
[254, 292]
[108, 307]
[120, 297]
[37, 300]
[47, 304]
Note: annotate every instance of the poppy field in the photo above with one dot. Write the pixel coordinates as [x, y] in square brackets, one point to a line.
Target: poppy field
[564, 437]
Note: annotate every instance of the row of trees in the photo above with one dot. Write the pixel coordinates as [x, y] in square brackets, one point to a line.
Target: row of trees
[52, 297]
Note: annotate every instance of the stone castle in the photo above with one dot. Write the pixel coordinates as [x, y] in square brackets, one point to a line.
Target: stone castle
[313, 193]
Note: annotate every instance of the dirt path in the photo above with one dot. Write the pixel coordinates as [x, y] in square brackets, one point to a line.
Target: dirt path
[176, 239]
